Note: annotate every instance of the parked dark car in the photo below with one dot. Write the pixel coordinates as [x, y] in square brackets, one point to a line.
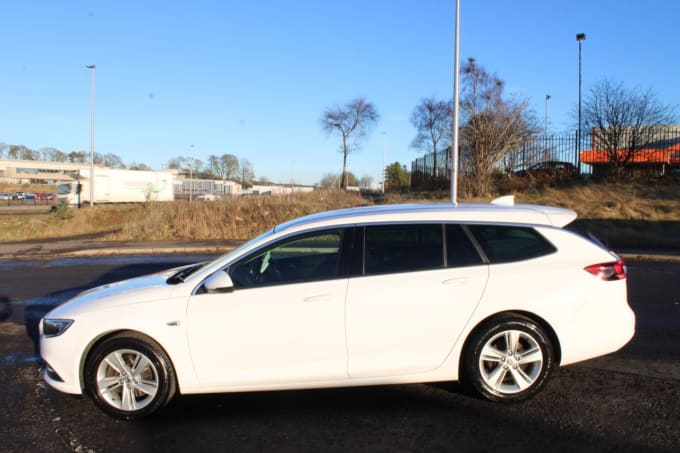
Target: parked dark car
[674, 158]
[548, 168]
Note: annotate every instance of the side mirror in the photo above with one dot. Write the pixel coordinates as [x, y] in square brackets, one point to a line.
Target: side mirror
[219, 282]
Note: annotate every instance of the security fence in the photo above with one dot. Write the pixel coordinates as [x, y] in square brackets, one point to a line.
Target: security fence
[600, 153]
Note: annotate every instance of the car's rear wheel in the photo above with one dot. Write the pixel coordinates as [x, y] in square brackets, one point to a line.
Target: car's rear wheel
[129, 376]
[508, 359]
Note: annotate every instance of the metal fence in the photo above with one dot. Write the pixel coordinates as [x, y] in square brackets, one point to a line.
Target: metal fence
[184, 188]
[656, 153]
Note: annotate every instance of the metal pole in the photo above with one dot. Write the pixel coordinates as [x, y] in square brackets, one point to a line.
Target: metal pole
[579, 37]
[77, 188]
[454, 123]
[191, 173]
[547, 98]
[92, 68]
[383, 159]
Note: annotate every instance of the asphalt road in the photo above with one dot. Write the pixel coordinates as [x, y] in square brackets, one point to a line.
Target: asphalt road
[628, 401]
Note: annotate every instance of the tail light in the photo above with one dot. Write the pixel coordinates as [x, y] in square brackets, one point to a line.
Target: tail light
[616, 270]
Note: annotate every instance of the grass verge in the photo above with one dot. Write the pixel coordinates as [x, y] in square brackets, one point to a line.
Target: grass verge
[634, 215]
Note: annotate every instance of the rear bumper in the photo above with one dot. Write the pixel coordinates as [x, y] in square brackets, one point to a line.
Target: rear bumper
[604, 330]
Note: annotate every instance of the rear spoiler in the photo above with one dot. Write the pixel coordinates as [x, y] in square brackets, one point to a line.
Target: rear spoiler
[558, 217]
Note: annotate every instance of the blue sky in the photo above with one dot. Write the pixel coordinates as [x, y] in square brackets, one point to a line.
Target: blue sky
[251, 78]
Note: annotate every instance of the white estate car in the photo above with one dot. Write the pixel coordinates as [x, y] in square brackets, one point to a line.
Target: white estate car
[493, 295]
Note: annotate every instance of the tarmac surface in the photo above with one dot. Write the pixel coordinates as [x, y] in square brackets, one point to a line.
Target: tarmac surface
[88, 246]
[627, 401]
[81, 246]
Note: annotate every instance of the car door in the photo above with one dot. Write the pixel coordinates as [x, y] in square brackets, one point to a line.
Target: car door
[407, 309]
[282, 323]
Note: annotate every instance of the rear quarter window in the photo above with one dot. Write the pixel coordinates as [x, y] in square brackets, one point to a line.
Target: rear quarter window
[504, 244]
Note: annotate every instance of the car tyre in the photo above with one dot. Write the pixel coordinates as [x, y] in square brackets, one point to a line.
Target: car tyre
[508, 359]
[129, 376]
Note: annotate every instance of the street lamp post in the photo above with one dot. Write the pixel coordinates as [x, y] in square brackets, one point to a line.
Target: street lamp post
[547, 98]
[191, 173]
[92, 72]
[454, 123]
[383, 159]
[580, 37]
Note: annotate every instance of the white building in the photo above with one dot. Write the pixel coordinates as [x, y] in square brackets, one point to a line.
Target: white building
[40, 171]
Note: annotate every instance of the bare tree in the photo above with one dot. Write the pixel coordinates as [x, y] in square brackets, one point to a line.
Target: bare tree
[330, 181]
[178, 162]
[334, 181]
[13, 152]
[140, 166]
[366, 181]
[231, 166]
[191, 165]
[79, 157]
[225, 166]
[247, 173]
[492, 126]
[98, 158]
[53, 155]
[196, 165]
[214, 167]
[22, 152]
[623, 122]
[113, 161]
[353, 122]
[432, 120]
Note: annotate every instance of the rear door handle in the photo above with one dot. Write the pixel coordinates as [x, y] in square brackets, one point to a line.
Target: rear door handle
[319, 298]
[457, 281]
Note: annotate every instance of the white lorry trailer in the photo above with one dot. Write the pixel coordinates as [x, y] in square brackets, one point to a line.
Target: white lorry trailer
[118, 186]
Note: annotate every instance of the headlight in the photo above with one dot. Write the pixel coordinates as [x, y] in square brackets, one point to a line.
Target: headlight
[55, 327]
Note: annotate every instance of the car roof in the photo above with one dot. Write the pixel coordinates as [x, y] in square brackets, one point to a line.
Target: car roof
[502, 210]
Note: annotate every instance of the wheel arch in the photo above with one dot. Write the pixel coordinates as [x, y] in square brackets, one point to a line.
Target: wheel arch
[545, 325]
[118, 333]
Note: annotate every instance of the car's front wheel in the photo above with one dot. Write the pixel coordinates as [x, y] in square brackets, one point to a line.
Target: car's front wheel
[129, 376]
[508, 359]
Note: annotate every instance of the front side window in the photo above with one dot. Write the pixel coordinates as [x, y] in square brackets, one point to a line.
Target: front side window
[310, 257]
[402, 248]
[504, 244]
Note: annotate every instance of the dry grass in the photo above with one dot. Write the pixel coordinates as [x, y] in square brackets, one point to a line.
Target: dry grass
[635, 215]
[624, 215]
[231, 218]
[42, 226]
[614, 201]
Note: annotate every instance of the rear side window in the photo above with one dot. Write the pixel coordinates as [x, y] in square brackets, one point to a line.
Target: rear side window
[504, 244]
[402, 248]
